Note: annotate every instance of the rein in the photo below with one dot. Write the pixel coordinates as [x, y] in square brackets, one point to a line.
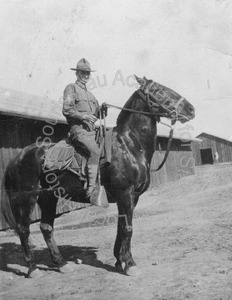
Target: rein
[138, 111]
[168, 113]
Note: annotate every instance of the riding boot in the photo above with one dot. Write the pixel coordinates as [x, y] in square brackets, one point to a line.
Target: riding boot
[95, 192]
[92, 176]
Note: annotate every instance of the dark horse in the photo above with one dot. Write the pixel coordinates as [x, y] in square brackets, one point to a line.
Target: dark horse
[125, 179]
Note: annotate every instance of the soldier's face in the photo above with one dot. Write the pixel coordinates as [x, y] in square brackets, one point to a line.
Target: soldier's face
[83, 76]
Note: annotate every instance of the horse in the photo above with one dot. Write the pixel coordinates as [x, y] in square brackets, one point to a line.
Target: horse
[125, 179]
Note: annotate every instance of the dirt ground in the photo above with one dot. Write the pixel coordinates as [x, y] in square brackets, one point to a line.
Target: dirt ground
[182, 243]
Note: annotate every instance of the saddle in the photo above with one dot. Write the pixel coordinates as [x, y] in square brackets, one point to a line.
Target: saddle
[64, 156]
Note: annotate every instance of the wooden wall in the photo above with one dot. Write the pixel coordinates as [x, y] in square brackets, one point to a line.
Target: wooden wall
[180, 162]
[223, 147]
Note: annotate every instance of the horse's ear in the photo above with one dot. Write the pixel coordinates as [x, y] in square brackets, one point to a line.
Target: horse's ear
[141, 81]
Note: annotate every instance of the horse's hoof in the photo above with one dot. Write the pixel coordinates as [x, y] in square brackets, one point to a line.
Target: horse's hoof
[35, 274]
[66, 269]
[119, 267]
[132, 271]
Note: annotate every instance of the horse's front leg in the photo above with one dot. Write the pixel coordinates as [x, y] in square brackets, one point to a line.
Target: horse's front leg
[122, 247]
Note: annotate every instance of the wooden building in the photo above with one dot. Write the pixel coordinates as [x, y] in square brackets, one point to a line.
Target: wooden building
[25, 118]
[204, 152]
[180, 161]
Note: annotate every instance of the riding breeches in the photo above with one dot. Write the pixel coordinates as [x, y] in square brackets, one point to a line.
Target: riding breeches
[85, 141]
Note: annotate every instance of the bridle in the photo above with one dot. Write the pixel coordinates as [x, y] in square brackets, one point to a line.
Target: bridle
[153, 104]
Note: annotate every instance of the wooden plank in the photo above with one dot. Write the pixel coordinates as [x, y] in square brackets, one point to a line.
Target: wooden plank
[179, 164]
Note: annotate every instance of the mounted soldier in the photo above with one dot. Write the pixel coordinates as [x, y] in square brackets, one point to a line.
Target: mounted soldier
[82, 110]
[125, 179]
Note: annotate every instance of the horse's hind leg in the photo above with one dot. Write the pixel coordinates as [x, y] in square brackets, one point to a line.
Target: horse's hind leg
[48, 211]
[22, 216]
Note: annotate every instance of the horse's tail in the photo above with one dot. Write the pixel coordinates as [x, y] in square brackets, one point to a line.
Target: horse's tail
[22, 171]
[9, 220]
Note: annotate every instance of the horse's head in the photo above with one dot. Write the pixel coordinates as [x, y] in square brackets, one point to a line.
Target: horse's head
[166, 102]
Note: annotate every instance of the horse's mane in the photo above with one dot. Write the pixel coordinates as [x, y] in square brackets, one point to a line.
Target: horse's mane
[123, 115]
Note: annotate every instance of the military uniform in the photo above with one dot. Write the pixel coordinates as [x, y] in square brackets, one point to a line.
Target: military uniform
[81, 109]
[78, 101]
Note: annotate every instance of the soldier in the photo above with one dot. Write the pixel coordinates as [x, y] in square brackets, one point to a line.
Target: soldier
[82, 110]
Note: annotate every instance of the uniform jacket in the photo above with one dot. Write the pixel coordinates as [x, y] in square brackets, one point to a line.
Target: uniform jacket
[78, 101]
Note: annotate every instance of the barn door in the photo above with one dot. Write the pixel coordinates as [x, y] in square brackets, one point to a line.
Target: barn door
[206, 156]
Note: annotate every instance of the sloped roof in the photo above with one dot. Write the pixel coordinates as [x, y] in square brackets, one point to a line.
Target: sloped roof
[214, 136]
[29, 106]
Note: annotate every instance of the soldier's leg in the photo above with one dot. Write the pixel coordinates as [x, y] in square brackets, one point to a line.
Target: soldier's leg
[93, 161]
[85, 140]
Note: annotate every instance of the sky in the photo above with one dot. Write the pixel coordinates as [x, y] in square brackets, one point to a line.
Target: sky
[184, 45]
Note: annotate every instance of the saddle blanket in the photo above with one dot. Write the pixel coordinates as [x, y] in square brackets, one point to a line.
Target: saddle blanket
[63, 155]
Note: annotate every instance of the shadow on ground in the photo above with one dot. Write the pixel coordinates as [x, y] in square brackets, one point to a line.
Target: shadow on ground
[12, 259]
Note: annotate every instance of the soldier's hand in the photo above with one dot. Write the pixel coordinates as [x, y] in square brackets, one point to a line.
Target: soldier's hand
[89, 118]
[104, 110]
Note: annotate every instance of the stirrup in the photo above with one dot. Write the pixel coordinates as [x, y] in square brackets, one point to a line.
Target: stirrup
[98, 196]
